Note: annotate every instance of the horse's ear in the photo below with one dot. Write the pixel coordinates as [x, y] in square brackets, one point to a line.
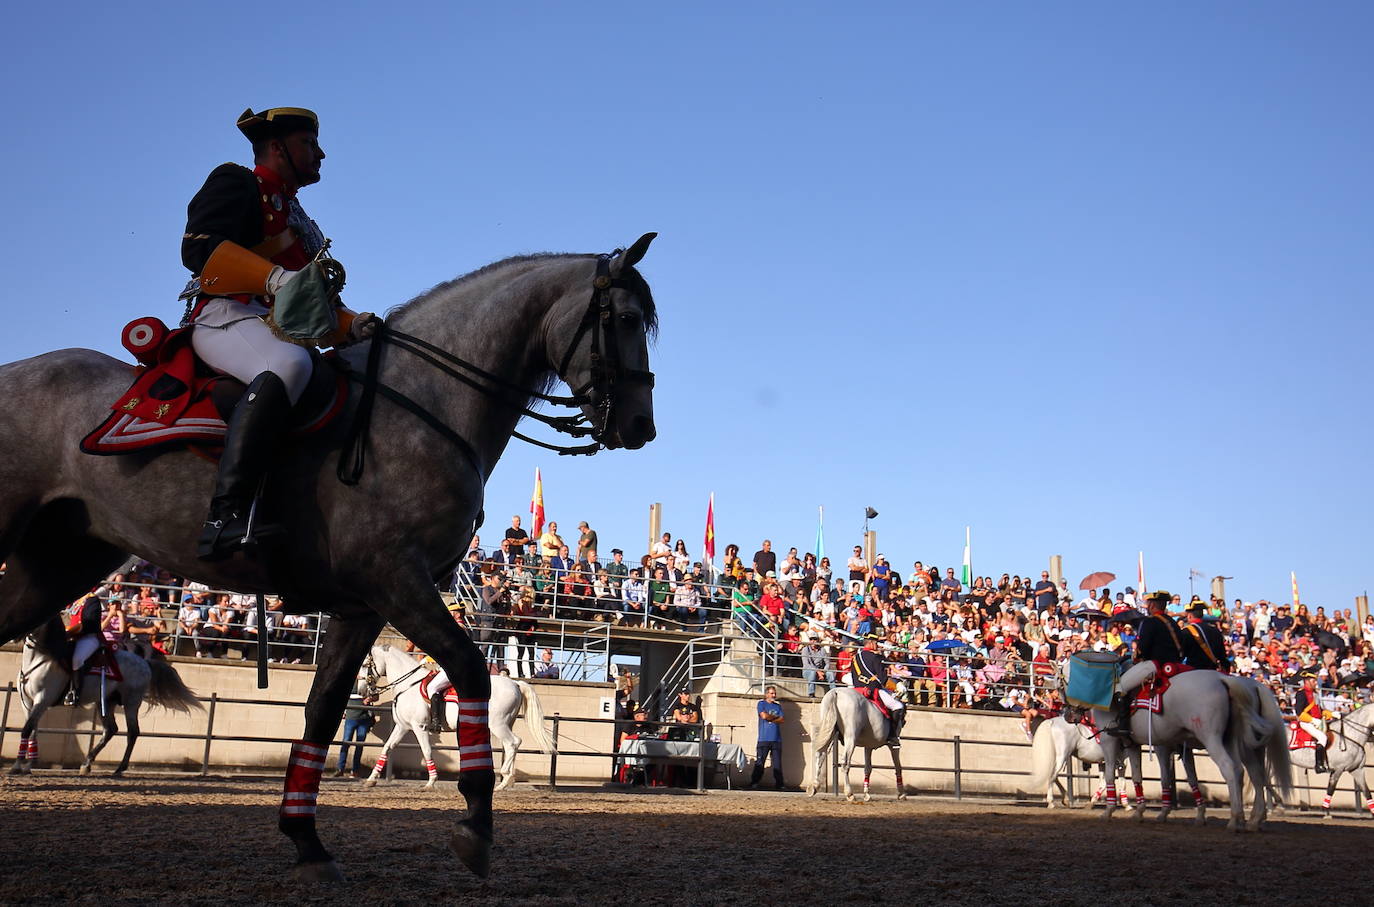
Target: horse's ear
[632, 256]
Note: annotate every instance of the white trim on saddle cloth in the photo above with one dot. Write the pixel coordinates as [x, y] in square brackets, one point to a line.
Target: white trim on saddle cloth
[132, 433]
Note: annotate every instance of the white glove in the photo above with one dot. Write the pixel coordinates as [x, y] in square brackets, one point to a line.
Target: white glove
[364, 326]
[279, 278]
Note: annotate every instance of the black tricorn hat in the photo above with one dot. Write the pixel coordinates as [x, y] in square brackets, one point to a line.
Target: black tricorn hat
[276, 121]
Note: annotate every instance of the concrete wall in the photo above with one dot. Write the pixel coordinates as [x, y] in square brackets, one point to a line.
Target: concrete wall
[993, 751]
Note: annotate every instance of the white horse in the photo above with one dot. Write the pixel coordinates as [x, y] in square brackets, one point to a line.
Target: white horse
[44, 677]
[845, 714]
[1346, 754]
[411, 713]
[1056, 741]
[1220, 714]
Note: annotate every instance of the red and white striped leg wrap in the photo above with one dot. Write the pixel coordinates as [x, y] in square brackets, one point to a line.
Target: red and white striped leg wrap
[1140, 795]
[1197, 793]
[1370, 806]
[474, 738]
[303, 772]
[28, 748]
[1166, 797]
[381, 764]
[429, 767]
[1326, 802]
[1111, 793]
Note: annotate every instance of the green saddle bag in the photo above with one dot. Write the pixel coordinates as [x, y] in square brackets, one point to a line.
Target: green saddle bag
[304, 312]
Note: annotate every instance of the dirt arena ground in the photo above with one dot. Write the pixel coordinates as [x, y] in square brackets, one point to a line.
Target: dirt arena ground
[169, 840]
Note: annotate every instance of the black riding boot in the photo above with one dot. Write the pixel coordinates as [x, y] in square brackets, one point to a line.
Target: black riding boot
[73, 696]
[1321, 765]
[438, 723]
[894, 728]
[255, 427]
[1122, 728]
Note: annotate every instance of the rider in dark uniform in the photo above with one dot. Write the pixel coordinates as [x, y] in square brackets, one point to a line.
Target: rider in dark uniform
[246, 238]
[1159, 642]
[870, 673]
[1203, 645]
[88, 640]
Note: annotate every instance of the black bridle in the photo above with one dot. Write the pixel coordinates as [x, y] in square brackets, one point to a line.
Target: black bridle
[607, 370]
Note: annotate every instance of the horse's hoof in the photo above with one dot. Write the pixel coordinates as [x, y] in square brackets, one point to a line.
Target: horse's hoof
[1107, 813]
[430, 784]
[506, 782]
[1254, 826]
[328, 871]
[1326, 814]
[472, 849]
[868, 798]
[370, 782]
[1233, 826]
[901, 795]
[849, 797]
[811, 791]
[1139, 815]
[19, 768]
[119, 772]
[84, 769]
[1162, 815]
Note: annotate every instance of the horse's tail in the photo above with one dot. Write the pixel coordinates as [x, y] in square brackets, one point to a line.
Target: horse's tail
[1042, 757]
[827, 726]
[1276, 749]
[534, 717]
[168, 690]
[1247, 727]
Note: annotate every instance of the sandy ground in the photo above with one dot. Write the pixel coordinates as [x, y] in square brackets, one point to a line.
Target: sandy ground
[164, 839]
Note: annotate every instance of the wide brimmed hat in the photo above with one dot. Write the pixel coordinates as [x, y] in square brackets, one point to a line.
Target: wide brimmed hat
[276, 121]
[1159, 596]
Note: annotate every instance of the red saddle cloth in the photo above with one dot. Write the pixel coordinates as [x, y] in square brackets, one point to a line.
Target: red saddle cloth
[872, 696]
[1151, 693]
[1299, 739]
[170, 400]
[450, 695]
[104, 661]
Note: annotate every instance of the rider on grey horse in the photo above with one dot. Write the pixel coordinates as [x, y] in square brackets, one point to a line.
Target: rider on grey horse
[1203, 645]
[870, 673]
[88, 641]
[246, 238]
[1159, 642]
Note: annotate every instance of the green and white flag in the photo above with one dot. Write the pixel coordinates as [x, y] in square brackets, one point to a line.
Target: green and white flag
[966, 575]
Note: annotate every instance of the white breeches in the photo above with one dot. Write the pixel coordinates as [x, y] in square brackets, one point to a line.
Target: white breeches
[1137, 675]
[1316, 729]
[232, 339]
[439, 684]
[86, 647]
[892, 702]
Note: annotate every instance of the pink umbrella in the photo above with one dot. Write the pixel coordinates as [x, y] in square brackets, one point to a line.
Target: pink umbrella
[1097, 580]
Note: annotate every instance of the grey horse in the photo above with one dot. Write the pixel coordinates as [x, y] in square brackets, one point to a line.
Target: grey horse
[45, 675]
[367, 553]
[1206, 709]
[851, 720]
[1352, 733]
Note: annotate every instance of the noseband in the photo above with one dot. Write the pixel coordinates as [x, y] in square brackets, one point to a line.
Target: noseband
[606, 371]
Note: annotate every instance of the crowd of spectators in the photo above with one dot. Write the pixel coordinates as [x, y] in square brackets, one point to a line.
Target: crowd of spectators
[991, 644]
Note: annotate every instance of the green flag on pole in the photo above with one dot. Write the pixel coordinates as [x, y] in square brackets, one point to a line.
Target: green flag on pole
[966, 574]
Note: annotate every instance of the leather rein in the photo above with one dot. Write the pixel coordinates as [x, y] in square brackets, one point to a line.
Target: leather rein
[606, 371]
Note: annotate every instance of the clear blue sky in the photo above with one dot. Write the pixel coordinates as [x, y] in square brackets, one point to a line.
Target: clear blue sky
[1090, 279]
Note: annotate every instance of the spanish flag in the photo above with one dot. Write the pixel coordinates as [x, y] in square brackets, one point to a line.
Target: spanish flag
[708, 545]
[537, 504]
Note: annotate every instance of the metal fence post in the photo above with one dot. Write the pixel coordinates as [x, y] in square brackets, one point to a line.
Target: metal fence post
[209, 734]
[5, 715]
[553, 755]
[958, 770]
[701, 759]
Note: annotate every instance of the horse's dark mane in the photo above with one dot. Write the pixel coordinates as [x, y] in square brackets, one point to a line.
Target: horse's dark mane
[638, 285]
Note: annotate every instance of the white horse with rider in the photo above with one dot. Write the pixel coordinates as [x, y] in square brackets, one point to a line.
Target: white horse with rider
[1230, 717]
[1346, 753]
[850, 720]
[411, 711]
[45, 677]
